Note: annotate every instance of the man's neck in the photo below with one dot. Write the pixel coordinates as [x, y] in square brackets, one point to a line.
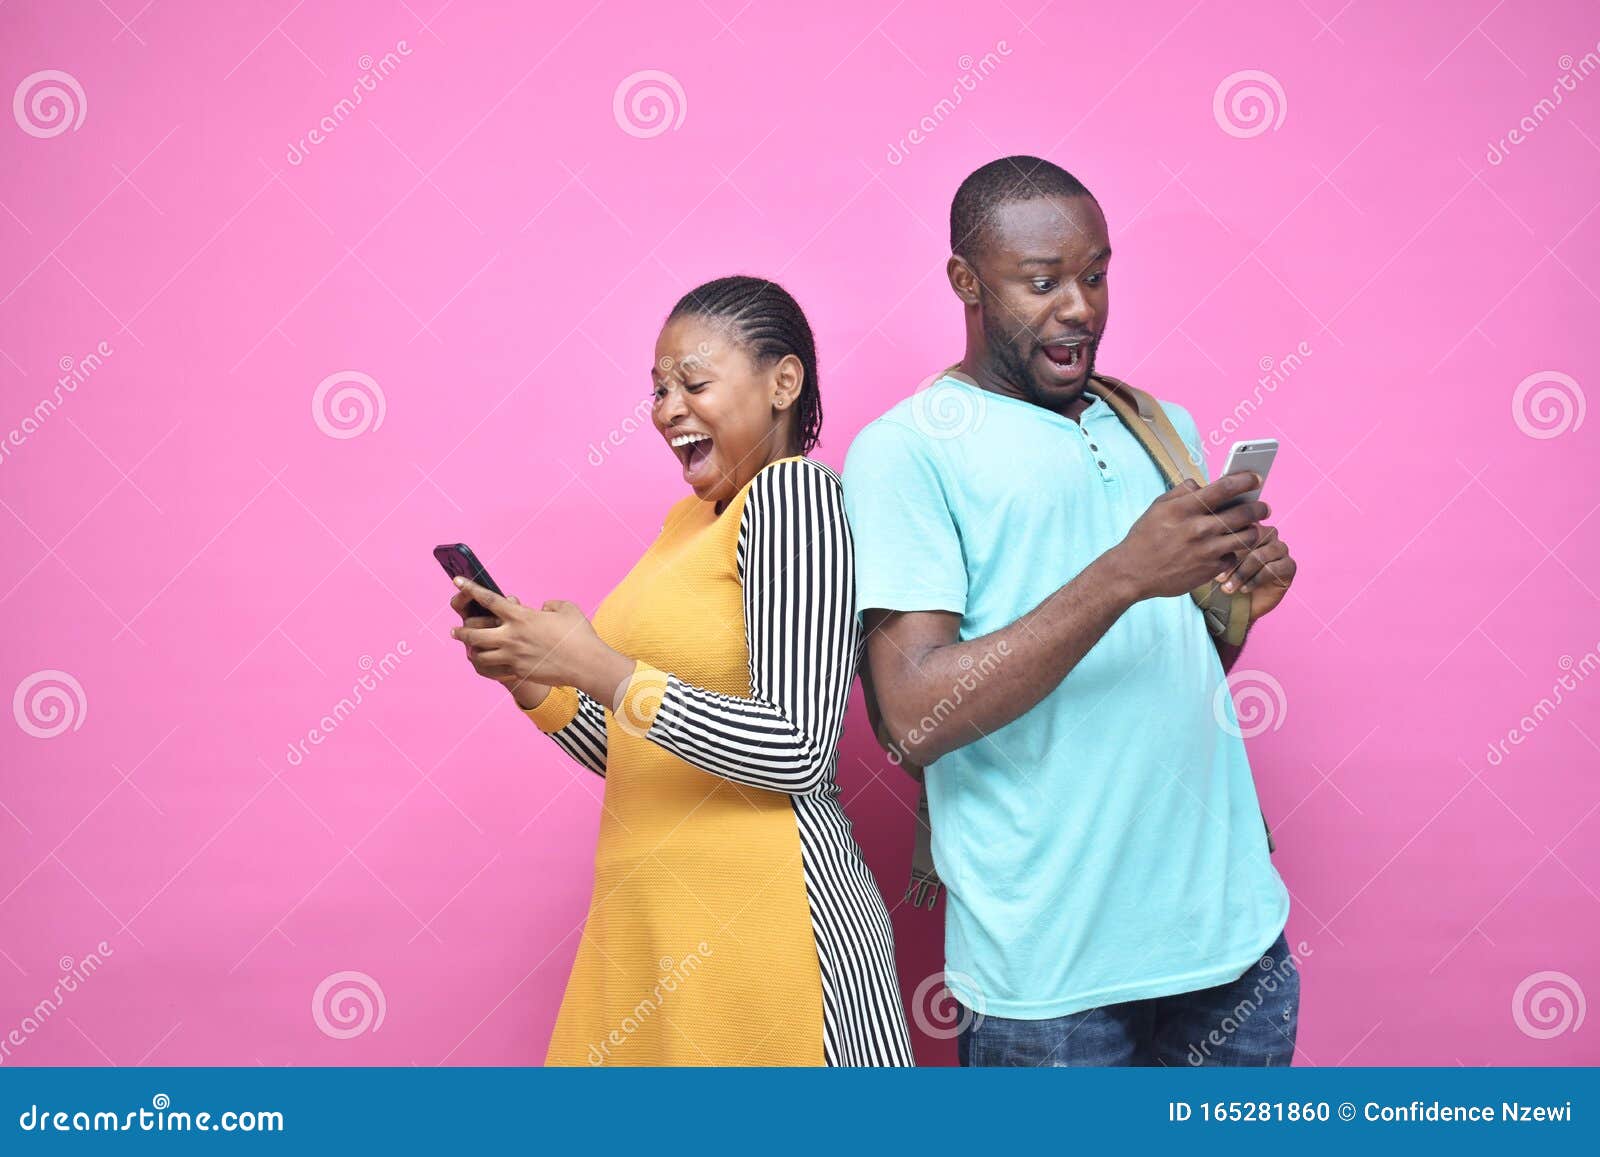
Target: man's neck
[976, 367]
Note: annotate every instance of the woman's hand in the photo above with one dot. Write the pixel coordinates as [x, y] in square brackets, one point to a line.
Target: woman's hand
[553, 646]
[526, 692]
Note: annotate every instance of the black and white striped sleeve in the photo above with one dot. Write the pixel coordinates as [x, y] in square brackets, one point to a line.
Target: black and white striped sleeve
[797, 564]
[577, 723]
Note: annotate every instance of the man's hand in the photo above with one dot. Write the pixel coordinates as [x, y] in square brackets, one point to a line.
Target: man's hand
[1265, 572]
[1190, 534]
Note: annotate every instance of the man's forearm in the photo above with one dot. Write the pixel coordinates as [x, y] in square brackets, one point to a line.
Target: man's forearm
[952, 695]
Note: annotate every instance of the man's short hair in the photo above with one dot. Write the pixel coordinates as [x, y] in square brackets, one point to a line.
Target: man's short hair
[1000, 183]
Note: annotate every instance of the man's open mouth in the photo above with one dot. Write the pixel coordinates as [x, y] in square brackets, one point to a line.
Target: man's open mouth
[691, 449]
[1067, 355]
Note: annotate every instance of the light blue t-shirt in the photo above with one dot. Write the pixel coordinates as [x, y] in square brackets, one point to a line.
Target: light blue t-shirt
[1107, 845]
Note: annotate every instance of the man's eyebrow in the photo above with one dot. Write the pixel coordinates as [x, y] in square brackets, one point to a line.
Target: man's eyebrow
[1100, 255]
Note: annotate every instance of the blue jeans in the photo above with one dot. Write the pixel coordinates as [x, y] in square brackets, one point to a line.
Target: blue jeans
[1248, 1021]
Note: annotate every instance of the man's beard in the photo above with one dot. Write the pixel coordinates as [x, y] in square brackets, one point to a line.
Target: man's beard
[1012, 364]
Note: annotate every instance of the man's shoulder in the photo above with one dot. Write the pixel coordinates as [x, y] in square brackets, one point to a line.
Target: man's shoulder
[894, 434]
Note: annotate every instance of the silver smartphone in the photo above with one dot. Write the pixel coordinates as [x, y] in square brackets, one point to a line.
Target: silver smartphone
[1255, 455]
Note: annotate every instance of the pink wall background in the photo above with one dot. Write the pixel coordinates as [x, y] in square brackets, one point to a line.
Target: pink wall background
[494, 246]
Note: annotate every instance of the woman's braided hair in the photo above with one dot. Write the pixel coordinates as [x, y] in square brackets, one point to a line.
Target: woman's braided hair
[770, 324]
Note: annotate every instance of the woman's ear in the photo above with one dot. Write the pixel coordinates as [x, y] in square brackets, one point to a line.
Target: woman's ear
[788, 377]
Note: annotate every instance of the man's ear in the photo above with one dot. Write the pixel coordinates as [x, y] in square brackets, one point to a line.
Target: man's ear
[963, 279]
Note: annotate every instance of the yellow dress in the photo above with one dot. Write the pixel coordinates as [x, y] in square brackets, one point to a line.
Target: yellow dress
[731, 923]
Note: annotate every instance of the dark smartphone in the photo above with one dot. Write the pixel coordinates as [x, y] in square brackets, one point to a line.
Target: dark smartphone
[457, 559]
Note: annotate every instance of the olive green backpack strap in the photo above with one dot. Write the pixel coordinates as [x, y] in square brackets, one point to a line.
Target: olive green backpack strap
[1227, 616]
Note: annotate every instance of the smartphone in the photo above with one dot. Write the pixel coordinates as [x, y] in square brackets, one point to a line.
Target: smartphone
[1256, 456]
[457, 559]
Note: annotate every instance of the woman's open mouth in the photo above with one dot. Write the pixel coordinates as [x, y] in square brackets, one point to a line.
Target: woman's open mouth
[693, 450]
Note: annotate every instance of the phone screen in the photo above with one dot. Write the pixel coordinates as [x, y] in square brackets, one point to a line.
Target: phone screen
[457, 559]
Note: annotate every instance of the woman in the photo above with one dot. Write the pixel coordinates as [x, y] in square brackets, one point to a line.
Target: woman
[733, 919]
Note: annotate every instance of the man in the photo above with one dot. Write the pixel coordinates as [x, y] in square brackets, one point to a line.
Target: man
[1024, 577]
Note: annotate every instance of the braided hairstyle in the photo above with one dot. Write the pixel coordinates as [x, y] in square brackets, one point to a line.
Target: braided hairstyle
[770, 324]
